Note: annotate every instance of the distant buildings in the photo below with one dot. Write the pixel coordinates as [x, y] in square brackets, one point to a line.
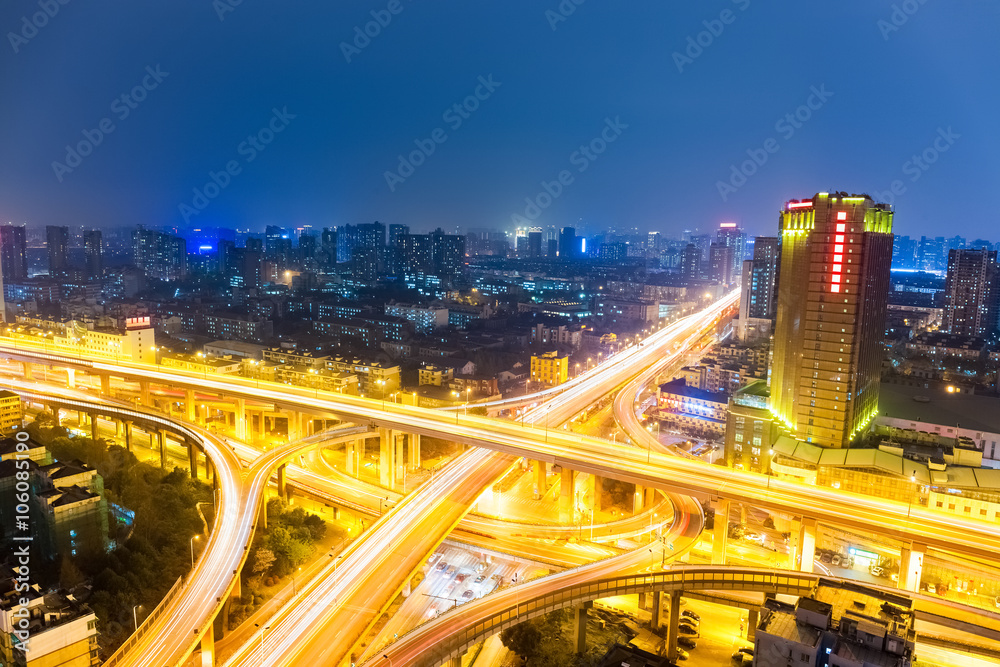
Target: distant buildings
[57, 243]
[11, 412]
[758, 296]
[425, 319]
[93, 248]
[549, 368]
[13, 254]
[972, 293]
[158, 255]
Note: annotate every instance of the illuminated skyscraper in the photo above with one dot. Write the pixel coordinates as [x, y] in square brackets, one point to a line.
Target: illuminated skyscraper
[13, 253]
[57, 242]
[970, 293]
[836, 252]
[93, 247]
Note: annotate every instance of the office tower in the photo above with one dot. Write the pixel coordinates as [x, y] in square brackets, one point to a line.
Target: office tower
[249, 268]
[568, 245]
[57, 243]
[720, 261]
[971, 293]
[704, 243]
[93, 248]
[930, 253]
[327, 254]
[535, 243]
[757, 291]
[307, 246]
[904, 252]
[255, 244]
[159, 255]
[833, 284]
[13, 254]
[396, 234]
[691, 262]
[418, 254]
[366, 263]
[347, 240]
[448, 253]
[731, 236]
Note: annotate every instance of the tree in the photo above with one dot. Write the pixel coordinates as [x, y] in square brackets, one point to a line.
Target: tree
[70, 575]
[263, 560]
[523, 639]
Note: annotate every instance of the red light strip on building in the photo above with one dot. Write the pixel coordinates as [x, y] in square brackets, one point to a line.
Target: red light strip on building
[838, 257]
[804, 204]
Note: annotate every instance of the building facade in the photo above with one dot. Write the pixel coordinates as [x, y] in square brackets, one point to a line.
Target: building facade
[971, 293]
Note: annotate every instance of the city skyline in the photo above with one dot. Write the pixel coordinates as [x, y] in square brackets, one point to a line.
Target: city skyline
[331, 141]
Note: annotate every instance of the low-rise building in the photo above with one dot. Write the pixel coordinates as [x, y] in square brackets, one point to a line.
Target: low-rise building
[199, 363]
[235, 349]
[691, 409]
[235, 326]
[549, 368]
[59, 632]
[434, 374]
[374, 377]
[11, 412]
[425, 319]
[938, 344]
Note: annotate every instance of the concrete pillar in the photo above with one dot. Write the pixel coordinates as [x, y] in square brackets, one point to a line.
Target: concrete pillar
[580, 627]
[351, 450]
[640, 499]
[163, 449]
[193, 459]
[71, 378]
[807, 545]
[208, 647]
[672, 626]
[566, 490]
[386, 461]
[414, 453]
[657, 610]
[26, 371]
[753, 618]
[55, 414]
[911, 566]
[240, 419]
[540, 487]
[720, 532]
[294, 426]
[119, 428]
[262, 425]
[189, 409]
[592, 493]
[282, 485]
[399, 461]
[128, 435]
[262, 514]
[93, 427]
[454, 662]
[106, 385]
[144, 395]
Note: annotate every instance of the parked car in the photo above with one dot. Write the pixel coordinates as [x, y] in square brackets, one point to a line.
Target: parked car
[687, 642]
[451, 570]
[461, 577]
[441, 567]
[687, 630]
[468, 594]
[481, 578]
[690, 614]
[682, 654]
[835, 560]
[876, 571]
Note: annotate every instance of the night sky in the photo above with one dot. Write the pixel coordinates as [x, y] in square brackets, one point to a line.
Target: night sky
[887, 92]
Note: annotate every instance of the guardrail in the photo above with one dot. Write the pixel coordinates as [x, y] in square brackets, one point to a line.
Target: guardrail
[145, 625]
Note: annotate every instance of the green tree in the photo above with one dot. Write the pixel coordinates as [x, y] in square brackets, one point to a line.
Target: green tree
[523, 639]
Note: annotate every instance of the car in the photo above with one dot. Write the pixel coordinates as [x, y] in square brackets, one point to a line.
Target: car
[682, 654]
[480, 579]
[996, 602]
[691, 614]
[876, 571]
[461, 577]
[450, 570]
[433, 558]
[745, 651]
[468, 594]
[687, 642]
[826, 558]
[441, 567]
[835, 560]
[480, 566]
[687, 630]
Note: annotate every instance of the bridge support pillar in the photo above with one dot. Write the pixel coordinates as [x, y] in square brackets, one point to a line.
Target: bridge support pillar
[753, 618]
[163, 449]
[592, 493]
[93, 426]
[127, 433]
[720, 532]
[262, 513]
[282, 483]
[566, 491]
[351, 453]
[807, 545]
[657, 610]
[399, 460]
[55, 414]
[580, 627]
[414, 451]
[539, 479]
[386, 459]
[208, 647]
[144, 396]
[105, 384]
[455, 662]
[673, 627]
[26, 371]
[911, 566]
[639, 501]
[190, 411]
[240, 419]
[294, 431]
[193, 459]
[71, 378]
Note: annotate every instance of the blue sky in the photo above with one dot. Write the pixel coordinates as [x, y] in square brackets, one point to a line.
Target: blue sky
[892, 90]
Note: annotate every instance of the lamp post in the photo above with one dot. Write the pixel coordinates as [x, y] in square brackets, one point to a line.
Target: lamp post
[294, 592]
[263, 633]
[135, 617]
[192, 549]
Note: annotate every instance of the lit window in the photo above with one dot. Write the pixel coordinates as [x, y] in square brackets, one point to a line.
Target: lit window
[838, 248]
[838, 258]
[834, 288]
[841, 215]
[837, 268]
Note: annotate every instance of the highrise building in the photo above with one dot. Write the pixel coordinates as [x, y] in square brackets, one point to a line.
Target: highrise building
[535, 243]
[448, 253]
[328, 247]
[836, 253]
[691, 262]
[720, 261]
[13, 253]
[757, 291]
[569, 247]
[731, 236]
[159, 255]
[93, 248]
[57, 243]
[418, 255]
[971, 293]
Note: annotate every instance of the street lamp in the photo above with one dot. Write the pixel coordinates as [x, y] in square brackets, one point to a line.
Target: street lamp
[263, 633]
[196, 537]
[135, 617]
[294, 592]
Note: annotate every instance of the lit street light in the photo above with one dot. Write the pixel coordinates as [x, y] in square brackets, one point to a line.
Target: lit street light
[135, 617]
[196, 537]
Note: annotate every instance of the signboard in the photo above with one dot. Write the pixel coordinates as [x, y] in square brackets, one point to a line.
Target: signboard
[137, 323]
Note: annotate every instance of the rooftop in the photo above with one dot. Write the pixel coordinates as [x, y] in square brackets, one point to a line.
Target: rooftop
[969, 411]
